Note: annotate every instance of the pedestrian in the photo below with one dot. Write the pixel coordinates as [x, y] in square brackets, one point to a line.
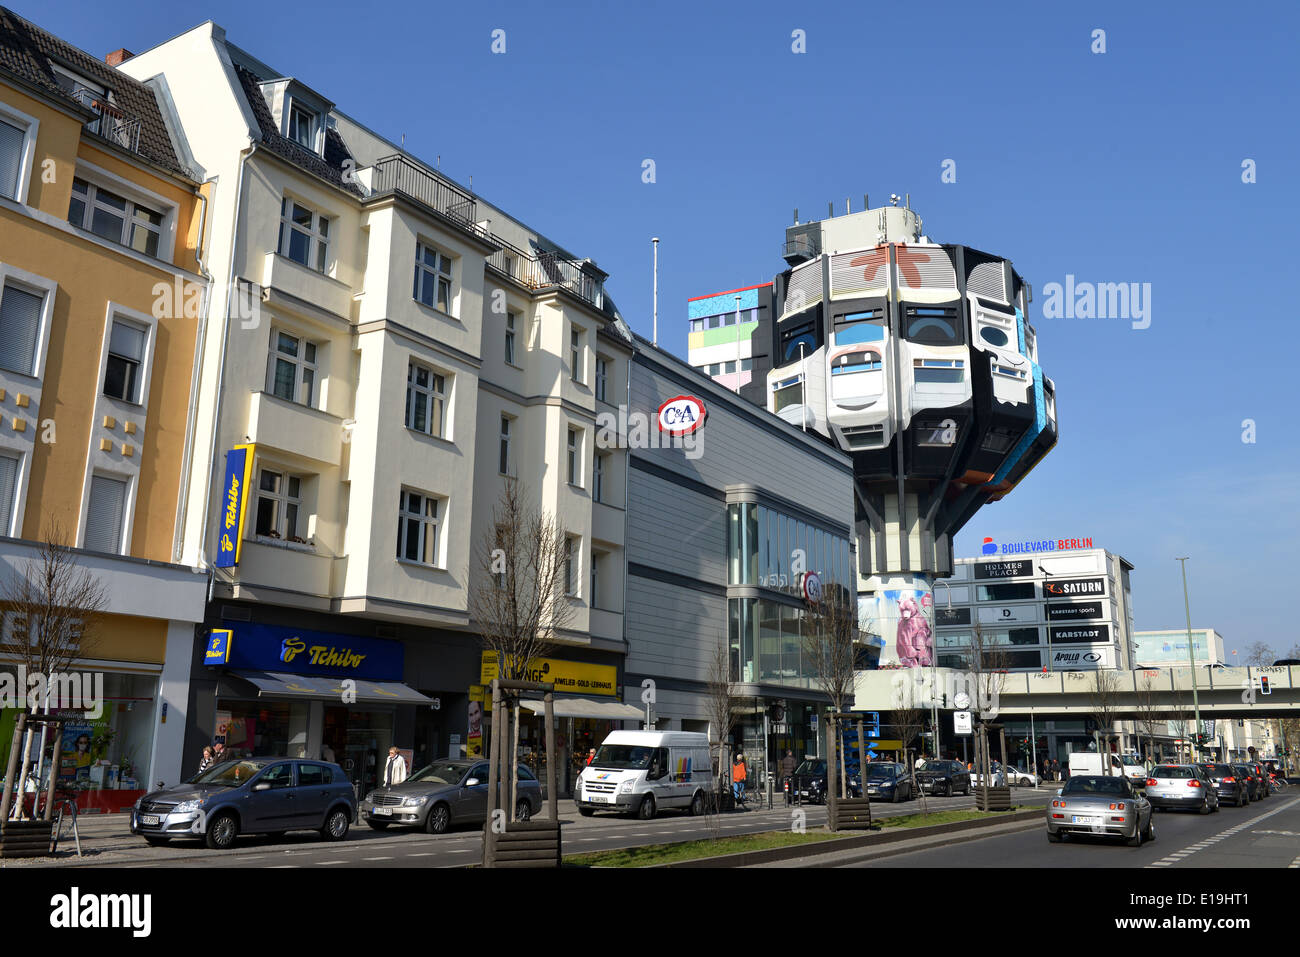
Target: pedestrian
[738, 774]
[1056, 770]
[219, 753]
[591, 755]
[394, 768]
[207, 761]
[787, 775]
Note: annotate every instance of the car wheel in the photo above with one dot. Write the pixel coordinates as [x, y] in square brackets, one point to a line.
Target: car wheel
[336, 825]
[1205, 806]
[586, 811]
[523, 810]
[1136, 839]
[646, 811]
[438, 819]
[898, 795]
[1151, 828]
[378, 825]
[1054, 837]
[222, 832]
[697, 804]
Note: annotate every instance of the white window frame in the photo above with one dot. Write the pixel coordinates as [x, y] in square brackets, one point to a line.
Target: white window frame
[149, 324]
[505, 443]
[599, 471]
[300, 363]
[293, 103]
[30, 126]
[594, 577]
[14, 528]
[432, 398]
[128, 507]
[572, 565]
[283, 499]
[47, 289]
[577, 354]
[318, 240]
[511, 345]
[437, 274]
[573, 453]
[437, 521]
[135, 195]
[602, 377]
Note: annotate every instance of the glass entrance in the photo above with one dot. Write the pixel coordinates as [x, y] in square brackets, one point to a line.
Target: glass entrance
[360, 741]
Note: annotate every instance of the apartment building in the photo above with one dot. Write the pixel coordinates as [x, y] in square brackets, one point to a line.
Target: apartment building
[384, 350]
[101, 224]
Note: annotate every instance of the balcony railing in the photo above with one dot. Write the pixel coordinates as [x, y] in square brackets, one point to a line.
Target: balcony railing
[548, 269]
[397, 174]
[111, 123]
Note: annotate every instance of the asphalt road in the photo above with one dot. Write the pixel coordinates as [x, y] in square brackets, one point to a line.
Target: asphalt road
[1264, 834]
[393, 848]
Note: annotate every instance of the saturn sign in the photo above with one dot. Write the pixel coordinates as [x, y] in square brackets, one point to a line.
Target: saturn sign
[681, 415]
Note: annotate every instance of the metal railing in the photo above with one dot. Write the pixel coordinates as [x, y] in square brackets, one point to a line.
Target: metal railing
[113, 124]
[398, 174]
[547, 269]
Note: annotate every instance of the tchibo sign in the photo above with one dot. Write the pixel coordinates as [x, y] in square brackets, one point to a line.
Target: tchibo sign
[681, 415]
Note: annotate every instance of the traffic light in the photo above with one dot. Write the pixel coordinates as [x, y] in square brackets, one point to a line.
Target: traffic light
[1263, 685]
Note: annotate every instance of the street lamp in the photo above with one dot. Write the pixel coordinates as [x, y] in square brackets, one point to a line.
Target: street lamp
[1191, 654]
[934, 673]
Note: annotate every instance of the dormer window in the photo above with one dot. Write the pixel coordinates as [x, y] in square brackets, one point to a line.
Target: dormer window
[302, 126]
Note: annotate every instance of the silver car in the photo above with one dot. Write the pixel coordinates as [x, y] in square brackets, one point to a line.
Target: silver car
[443, 794]
[1182, 785]
[1102, 805]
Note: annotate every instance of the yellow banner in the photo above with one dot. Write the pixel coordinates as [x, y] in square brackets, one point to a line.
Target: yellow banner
[569, 677]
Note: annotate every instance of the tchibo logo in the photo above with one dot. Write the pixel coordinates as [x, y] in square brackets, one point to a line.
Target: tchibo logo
[681, 415]
[75, 910]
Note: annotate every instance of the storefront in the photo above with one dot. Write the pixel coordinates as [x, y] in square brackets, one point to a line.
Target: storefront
[287, 691]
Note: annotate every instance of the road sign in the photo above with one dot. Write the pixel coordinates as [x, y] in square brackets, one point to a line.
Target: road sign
[961, 722]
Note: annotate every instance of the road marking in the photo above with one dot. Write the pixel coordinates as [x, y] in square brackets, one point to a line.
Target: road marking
[321, 863]
[277, 866]
[376, 858]
[1233, 831]
[458, 850]
[1294, 864]
[423, 854]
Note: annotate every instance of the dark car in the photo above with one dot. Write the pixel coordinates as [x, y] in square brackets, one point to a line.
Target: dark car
[249, 796]
[1258, 770]
[888, 781]
[443, 794]
[1232, 788]
[943, 778]
[810, 781]
[1254, 786]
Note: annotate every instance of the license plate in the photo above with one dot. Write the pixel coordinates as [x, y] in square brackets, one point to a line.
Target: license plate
[597, 799]
[383, 811]
[1085, 819]
[150, 820]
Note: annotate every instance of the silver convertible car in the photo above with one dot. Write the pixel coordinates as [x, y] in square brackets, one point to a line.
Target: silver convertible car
[443, 794]
[1101, 805]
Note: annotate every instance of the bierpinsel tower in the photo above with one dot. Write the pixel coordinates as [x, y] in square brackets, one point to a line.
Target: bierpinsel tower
[915, 358]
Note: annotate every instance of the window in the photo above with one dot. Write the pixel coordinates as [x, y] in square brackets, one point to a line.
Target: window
[505, 445]
[426, 400]
[599, 467]
[417, 528]
[602, 377]
[126, 342]
[104, 514]
[304, 235]
[293, 368]
[12, 147]
[279, 776]
[20, 323]
[595, 578]
[9, 465]
[432, 277]
[1007, 591]
[510, 338]
[302, 126]
[312, 775]
[575, 457]
[570, 569]
[279, 500]
[115, 218]
[575, 353]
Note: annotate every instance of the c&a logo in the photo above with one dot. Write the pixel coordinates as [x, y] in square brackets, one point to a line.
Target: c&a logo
[990, 547]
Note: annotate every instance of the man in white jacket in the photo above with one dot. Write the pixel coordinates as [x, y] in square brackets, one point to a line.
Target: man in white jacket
[394, 768]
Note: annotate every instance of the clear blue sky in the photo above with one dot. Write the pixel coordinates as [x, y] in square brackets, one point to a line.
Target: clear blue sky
[1115, 167]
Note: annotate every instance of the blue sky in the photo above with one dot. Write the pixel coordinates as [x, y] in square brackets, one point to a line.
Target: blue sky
[1115, 167]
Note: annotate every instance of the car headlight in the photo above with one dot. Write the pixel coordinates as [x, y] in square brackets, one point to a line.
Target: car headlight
[136, 805]
[369, 798]
[415, 801]
[185, 806]
[627, 787]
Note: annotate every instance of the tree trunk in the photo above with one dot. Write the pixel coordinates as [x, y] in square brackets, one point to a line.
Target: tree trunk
[514, 756]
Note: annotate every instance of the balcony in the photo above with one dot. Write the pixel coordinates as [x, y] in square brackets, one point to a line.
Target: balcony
[397, 175]
[111, 123]
[281, 274]
[547, 269]
[297, 429]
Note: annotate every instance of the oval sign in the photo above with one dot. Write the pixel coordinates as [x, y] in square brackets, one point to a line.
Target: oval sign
[681, 415]
[812, 587]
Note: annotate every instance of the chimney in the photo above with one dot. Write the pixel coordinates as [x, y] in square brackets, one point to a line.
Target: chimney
[118, 57]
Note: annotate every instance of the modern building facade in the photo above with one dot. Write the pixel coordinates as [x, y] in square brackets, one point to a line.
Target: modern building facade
[1168, 649]
[386, 351]
[722, 524]
[102, 220]
[722, 341]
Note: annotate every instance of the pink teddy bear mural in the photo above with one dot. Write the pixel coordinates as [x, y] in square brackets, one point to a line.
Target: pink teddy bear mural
[913, 634]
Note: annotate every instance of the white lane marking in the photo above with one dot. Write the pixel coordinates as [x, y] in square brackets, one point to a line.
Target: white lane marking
[423, 854]
[278, 866]
[1186, 852]
[322, 863]
[376, 858]
[1294, 864]
[458, 850]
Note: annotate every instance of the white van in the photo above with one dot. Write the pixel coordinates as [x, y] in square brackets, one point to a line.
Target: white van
[1090, 762]
[639, 772]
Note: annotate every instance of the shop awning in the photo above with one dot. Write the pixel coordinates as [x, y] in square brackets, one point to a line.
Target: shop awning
[586, 708]
[275, 684]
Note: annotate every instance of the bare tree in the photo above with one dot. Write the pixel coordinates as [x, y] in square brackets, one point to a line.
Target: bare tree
[831, 644]
[721, 704]
[519, 596]
[1181, 722]
[909, 722]
[1259, 655]
[1150, 713]
[1103, 704]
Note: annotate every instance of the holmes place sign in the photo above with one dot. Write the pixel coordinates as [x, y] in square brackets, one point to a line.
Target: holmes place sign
[1012, 569]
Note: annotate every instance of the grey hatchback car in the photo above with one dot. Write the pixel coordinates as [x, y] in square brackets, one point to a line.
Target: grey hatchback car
[1182, 785]
[445, 793]
[249, 796]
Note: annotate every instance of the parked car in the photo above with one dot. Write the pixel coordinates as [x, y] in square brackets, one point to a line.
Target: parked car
[1018, 778]
[1102, 805]
[1258, 771]
[442, 794]
[810, 782]
[249, 796]
[1232, 788]
[1255, 787]
[639, 772]
[1182, 785]
[889, 781]
[943, 778]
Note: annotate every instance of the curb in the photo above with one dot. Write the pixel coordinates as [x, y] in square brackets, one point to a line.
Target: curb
[861, 842]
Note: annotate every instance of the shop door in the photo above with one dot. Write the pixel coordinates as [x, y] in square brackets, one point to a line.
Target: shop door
[365, 737]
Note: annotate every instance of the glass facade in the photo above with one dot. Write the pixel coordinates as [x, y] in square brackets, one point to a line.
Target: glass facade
[767, 639]
[762, 547]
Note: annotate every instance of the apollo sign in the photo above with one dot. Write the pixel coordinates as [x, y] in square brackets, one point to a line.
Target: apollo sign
[681, 415]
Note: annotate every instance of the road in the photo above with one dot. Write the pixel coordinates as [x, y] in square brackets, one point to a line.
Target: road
[1263, 835]
[366, 848]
